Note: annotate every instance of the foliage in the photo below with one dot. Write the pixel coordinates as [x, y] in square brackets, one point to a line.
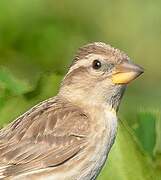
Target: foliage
[37, 41]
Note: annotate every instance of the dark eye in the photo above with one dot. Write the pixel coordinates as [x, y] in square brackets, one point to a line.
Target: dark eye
[96, 64]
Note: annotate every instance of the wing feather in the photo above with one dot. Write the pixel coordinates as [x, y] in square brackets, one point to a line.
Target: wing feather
[42, 138]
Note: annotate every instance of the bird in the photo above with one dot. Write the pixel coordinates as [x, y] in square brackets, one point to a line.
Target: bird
[69, 136]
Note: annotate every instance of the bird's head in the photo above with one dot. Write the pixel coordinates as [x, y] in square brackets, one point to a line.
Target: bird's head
[99, 74]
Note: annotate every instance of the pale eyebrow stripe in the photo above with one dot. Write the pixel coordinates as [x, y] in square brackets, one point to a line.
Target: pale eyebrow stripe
[85, 62]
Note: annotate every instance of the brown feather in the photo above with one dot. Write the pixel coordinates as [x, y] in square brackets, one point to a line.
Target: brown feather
[41, 139]
[99, 48]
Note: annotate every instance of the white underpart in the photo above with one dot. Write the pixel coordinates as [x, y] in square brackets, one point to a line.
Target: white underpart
[109, 119]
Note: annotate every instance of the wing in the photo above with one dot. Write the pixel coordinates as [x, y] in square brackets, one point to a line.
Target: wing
[46, 136]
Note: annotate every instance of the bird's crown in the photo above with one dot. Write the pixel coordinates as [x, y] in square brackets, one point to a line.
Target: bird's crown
[101, 49]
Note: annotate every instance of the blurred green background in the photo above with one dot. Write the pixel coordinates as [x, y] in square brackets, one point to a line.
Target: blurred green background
[38, 39]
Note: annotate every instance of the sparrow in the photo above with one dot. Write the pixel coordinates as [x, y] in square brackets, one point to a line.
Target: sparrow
[69, 136]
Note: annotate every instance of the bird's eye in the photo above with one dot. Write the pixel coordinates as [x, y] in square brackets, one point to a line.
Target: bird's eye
[96, 64]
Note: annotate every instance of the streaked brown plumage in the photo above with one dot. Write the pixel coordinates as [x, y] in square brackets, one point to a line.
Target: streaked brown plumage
[68, 137]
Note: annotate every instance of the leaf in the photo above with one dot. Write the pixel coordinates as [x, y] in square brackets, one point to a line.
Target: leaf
[46, 87]
[158, 134]
[126, 161]
[12, 84]
[12, 109]
[14, 106]
[145, 131]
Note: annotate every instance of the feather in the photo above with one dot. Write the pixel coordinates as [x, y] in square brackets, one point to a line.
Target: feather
[41, 139]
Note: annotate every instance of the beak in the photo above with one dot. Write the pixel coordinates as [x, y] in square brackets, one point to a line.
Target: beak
[126, 72]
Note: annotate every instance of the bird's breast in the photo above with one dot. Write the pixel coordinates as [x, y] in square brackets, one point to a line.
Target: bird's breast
[102, 137]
